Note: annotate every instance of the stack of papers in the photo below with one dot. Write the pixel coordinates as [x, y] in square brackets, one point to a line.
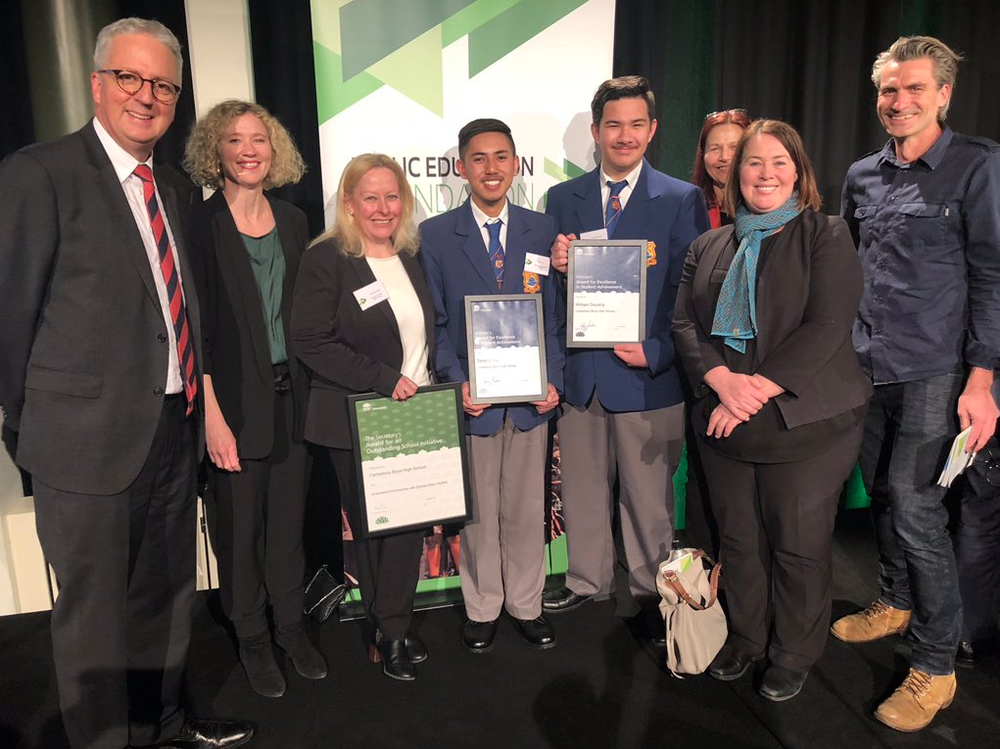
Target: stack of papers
[958, 459]
[679, 564]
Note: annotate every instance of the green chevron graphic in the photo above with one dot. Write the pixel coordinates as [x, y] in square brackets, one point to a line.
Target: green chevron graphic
[424, 423]
[568, 170]
[361, 45]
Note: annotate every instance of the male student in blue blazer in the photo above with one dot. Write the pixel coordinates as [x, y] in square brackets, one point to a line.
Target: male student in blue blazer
[481, 248]
[623, 411]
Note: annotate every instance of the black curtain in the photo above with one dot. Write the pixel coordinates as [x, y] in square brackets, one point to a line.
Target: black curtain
[285, 83]
[805, 62]
[17, 126]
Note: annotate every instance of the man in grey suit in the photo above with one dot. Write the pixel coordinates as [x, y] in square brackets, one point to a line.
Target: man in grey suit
[99, 377]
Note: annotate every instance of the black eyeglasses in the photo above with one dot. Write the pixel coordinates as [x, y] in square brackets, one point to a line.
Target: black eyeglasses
[131, 82]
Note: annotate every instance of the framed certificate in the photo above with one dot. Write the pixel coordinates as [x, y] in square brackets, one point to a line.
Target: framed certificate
[411, 460]
[606, 293]
[506, 344]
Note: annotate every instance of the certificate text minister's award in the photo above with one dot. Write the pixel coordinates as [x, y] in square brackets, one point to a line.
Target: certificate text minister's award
[506, 344]
[606, 293]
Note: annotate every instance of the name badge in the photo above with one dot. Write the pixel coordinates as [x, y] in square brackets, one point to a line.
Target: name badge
[536, 264]
[370, 295]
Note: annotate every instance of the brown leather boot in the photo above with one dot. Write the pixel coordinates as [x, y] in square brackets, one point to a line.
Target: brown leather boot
[916, 701]
[872, 623]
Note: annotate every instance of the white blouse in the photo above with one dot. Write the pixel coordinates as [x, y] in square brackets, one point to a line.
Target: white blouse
[409, 315]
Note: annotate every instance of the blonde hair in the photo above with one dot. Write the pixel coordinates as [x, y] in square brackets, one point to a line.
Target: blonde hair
[788, 137]
[201, 152]
[345, 231]
[944, 61]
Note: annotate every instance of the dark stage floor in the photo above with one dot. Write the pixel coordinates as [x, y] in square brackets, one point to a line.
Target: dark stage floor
[598, 688]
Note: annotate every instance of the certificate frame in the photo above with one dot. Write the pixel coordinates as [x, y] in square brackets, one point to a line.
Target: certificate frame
[439, 475]
[527, 321]
[627, 254]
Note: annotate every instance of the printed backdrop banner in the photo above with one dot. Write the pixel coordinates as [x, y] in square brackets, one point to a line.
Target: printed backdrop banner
[401, 77]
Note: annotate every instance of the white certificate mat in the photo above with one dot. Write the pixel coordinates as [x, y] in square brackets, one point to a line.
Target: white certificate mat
[606, 293]
[505, 335]
[410, 458]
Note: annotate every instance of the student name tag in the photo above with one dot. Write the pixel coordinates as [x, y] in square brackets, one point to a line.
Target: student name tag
[370, 295]
[536, 263]
[601, 233]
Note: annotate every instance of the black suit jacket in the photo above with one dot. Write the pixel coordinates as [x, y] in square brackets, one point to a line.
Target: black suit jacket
[234, 334]
[83, 341]
[809, 287]
[347, 349]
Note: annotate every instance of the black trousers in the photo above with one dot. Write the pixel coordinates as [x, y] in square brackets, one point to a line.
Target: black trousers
[976, 530]
[261, 511]
[388, 566]
[775, 526]
[125, 564]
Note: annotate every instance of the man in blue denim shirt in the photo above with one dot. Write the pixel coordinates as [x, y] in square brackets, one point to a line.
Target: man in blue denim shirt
[925, 212]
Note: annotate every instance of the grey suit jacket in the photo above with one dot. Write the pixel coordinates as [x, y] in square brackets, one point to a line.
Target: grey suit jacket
[83, 342]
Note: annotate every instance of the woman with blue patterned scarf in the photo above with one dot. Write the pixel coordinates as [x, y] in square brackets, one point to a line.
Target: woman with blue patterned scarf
[763, 327]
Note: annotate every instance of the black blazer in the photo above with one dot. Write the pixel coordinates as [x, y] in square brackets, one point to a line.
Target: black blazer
[234, 334]
[809, 287]
[347, 350]
[83, 341]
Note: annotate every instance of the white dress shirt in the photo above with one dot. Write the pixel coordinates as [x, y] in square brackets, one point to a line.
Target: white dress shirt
[482, 219]
[125, 165]
[632, 178]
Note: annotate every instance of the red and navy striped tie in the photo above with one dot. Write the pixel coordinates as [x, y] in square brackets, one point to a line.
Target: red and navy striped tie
[185, 347]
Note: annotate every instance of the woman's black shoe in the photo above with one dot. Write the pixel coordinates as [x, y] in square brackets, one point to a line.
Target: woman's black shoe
[780, 683]
[416, 649]
[396, 663]
[730, 664]
[262, 671]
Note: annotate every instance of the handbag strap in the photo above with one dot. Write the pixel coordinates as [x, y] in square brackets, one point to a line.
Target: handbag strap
[675, 584]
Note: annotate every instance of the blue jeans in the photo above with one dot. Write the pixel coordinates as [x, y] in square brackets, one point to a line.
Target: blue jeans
[908, 432]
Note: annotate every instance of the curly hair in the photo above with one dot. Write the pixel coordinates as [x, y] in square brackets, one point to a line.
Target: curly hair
[700, 175]
[201, 152]
[789, 137]
[345, 232]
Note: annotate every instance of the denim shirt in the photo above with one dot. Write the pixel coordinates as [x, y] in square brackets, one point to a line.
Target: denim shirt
[928, 234]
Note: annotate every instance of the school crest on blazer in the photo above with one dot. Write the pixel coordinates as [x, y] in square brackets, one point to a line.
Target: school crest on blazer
[532, 282]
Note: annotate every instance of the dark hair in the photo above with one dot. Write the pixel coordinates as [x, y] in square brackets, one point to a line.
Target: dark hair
[478, 127]
[788, 136]
[699, 176]
[623, 87]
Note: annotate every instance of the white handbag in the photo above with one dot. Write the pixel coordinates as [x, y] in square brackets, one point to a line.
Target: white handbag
[695, 622]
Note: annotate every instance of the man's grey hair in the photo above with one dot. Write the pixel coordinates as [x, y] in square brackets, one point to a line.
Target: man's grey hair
[943, 59]
[155, 29]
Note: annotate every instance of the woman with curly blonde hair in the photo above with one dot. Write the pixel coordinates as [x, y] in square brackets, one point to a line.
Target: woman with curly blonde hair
[245, 249]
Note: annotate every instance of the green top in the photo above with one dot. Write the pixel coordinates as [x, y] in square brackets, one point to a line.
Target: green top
[268, 264]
